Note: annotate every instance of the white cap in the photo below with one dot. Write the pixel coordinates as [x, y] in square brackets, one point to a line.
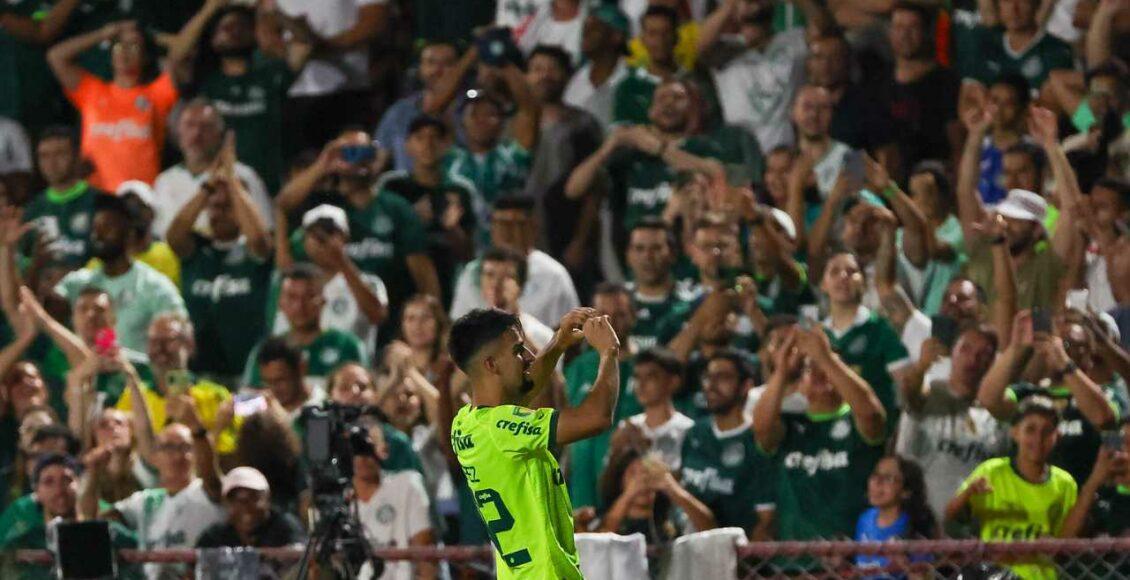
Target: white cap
[244, 478]
[326, 211]
[138, 188]
[1022, 204]
[785, 220]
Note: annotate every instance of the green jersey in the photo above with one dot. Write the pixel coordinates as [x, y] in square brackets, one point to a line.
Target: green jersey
[224, 282]
[632, 99]
[588, 455]
[1079, 440]
[659, 318]
[330, 350]
[62, 220]
[251, 105]
[382, 235]
[1044, 54]
[643, 183]
[825, 463]
[30, 93]
[1018, 510]
[724, 471]
[506, 453]
[494, 174]
[872, 348]
[1111, 514]
[22, 527]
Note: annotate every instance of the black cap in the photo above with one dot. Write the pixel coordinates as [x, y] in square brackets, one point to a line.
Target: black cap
[425, 121]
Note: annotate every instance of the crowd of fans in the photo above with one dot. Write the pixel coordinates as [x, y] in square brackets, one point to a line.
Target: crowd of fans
[870, 261]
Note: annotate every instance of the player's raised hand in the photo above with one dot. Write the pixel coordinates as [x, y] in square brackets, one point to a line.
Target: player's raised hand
[570, 329]
[600, 335]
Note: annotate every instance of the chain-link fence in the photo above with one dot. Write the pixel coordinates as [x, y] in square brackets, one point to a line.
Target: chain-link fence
[1102, 558]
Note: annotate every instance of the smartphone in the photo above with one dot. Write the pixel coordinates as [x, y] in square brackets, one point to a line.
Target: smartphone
[1041, 320]
[247, 405]
[496, 46]
[85, 550]
[809, 316]
[106, 341]
[943, 328]
[178, 382]
[1077, 299]
[1113, 440]
[854, 166]
[358, 154]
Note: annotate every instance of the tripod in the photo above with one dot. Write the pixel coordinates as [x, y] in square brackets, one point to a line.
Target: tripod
[339, 533]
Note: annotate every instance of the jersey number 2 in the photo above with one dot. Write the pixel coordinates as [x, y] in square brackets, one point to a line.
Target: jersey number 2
[504, 522]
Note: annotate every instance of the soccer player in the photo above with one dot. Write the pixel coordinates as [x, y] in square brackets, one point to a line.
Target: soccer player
[505, 443]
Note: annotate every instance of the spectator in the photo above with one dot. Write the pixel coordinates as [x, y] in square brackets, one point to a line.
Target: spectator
[588, 455]
[659, 430]
[721, 465]
[322, 349]
[923, 93]
[267, 441]
[393, 508]
[644, 496]
[944, 429]
[502, 274]
[39, 434]
[152, 252]
[175, 513]
[62, 214]
[332, 91]
[567, 135]
[604, 42]
[33, 96]
[443, 201]
[353, 301]
[554, 23]
[1101, 509]
[1017, 46]
[200, 137]
[994, 124]
[423, 329]
[124, 472]
[353, 384]
[245, 83]
[896, 491]
[497, 166]
[385, 236]
[660, 302]
[548, 291]
[1108, 269]
[21, 388]
[226, 274]
[15, 161]
[127, 281]
[433, 99]
[252, 521]
[821, 155]
[174, 388]
[758, 70]
[1039, 495]
[827, 454]
[123, 121]
[685, 42]
[514, 13]
[658, 28]
[931, 192]
[1066, 359]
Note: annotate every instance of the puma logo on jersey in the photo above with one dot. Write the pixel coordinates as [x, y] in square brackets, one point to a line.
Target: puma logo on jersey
[518, 427]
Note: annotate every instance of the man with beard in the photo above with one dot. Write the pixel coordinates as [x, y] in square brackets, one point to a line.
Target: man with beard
[145, 291]
[505, 440]
[433, 99]
[721, 465]
[247, 85]
[657, 296]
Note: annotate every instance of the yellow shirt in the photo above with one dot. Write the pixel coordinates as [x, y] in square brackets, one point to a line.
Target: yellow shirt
[207, 398]
[159, 256]
[686, 48]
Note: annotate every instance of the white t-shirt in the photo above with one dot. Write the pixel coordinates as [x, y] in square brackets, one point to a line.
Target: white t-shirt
[666, 439]
[513, 12]
[755, 88]
[598, 101]
[338, 71]
[1100, 296]
[166, 521]
[547, 295]
[915, 332]
[395, 513]
[15, 149]
[542, 29]
[176, 186]
[341, 311]
[827, 170]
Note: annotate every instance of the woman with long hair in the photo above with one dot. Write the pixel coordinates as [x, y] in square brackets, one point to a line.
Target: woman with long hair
[641, 493]
[899, 508]
[423, 330]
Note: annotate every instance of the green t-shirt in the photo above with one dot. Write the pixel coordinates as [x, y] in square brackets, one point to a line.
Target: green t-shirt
[381, 237]
[1018, 510]
[725, 472]
[499, 172]
[62, 220]
[657, 320]
[112, 385]
[22, 527]
[825, 463]
[587, 456]
[225, 283]
[507, 456]
[330, 350]
[30, 93]
[251, 105]
[632, 98]
[1079, 440]
[1043, 55]
[872, 348]
[138, 296]
[643, 183]
[1111, 514]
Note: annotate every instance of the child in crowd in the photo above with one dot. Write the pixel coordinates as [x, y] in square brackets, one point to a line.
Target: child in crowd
[896, 491]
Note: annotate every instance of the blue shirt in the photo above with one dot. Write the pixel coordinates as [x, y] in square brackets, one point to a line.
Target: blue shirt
[393, 128]
[869, 530]
[991, 183]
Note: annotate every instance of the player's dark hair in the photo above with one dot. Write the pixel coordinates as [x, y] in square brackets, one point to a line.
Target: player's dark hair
[276, 349]
[520, 202]
[501, 254]
[922, 525]
[652, 223]
[656, 10]
[52, 459]
[474, 330]
[740, 362]
[556, 54]
[661, 357]
[1036, 405]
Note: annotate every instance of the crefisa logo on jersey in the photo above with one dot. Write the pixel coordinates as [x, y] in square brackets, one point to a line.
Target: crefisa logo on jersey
[518, 427]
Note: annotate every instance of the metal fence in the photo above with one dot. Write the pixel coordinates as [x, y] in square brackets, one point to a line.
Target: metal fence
[1101, 558]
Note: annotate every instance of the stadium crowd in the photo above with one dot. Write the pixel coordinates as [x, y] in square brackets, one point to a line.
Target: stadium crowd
[870, 261]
